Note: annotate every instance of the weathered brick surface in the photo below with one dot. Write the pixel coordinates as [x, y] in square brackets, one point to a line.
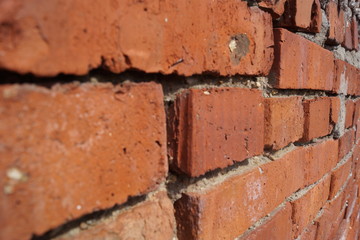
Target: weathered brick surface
[320, 158]
[307, 206]
[339, 176]
[329, 221]
[284, 121]
[317, 118]
[213, 128]
[348, 39]
[265, 188]
[347, 78]
[308, 66]
[275, 7]
[335, 109]
[227, 209]
[309, 233]
[303, 15]
[51, 37]
[355, 34]
[336, 19]
[277, 227]
[151, 219]
[346, 142]
[74, 149]
[350, 108]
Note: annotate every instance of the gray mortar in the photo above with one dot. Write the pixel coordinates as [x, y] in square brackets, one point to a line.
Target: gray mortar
[339, 128]
[260, 222]
[318, 38]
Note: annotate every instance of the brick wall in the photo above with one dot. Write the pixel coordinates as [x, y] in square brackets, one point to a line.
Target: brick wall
[192, 119]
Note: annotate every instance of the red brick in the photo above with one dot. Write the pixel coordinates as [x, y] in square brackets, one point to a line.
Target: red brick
[309, 233]
[346, 80]
[356, 160]
[307, 206]
[356, 111]
[354, 32]
[228, 209]
[335, 109]
[304, 15]
[348, 38]
[213, 128]
[320, 158]
[336, 19]
[284, 121]
[74, 149]
[352, 79]
[308, 66]
[339, 177]
[152, 219]
[346, 143]
[317, 118]
[329, 221]
[277, 227]
[185, 37]
[275, 7]
[343, 230]
[350, 108]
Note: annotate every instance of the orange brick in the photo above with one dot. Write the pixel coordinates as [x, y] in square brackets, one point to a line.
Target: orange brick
[276, 7]
[284, 121]
[343, 230]
[152, 36]
[152, 219]
[307, 206]
[213, 128]
[307, 66]
[228, 209]
[277, 227]
[309, 233]
[320, 158]
[350, 107]
[348, 38]
[76, 148]
[317, 118]
[335, 109]
[339, 176]
[329, 221]
[347, 78]
[346, 143]
[304, 15]
[336, 19]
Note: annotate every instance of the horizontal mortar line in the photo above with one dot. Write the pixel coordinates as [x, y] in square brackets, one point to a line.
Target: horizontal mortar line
[94, 218]
[301, 192]
[342, 189]
[264, 220]
[345, 159]
[337, 195]
[261, 221]
[217, 176]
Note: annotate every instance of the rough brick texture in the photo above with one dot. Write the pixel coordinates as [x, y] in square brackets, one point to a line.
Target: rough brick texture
[308, 66]
[284, 121]
[153, 36]
[304, 15]
[212, 128]
[317, 118]
[152, 219]
[306, 207]
[72, 149]
[277, 227]
[191, 119]
[336, 19]
[232, 212]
